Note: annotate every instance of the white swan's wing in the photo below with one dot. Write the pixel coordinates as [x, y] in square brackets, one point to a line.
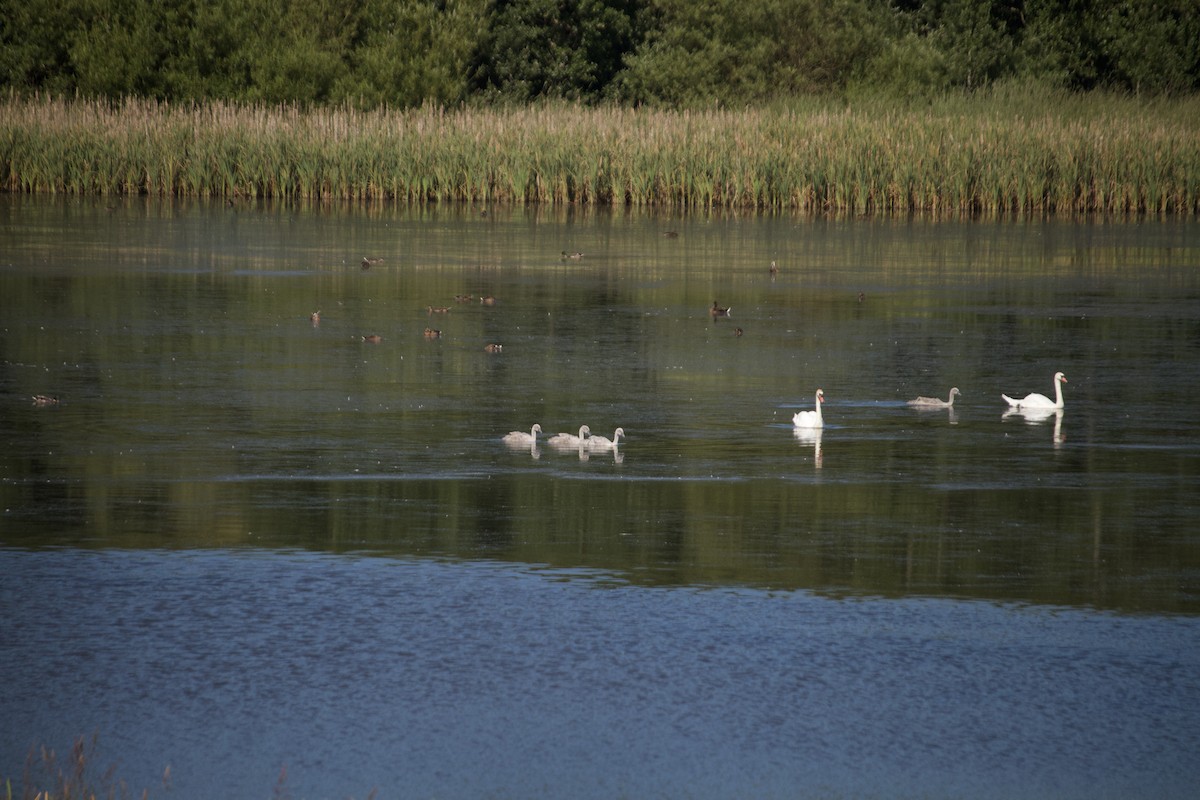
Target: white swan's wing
[1034, 400]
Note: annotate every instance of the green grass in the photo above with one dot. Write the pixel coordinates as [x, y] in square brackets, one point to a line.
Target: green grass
[1010, 151]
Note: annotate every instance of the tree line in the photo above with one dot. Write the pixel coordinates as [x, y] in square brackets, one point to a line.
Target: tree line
[668, 53]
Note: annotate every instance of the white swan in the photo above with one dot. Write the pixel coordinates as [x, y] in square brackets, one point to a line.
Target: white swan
[604, 443]
[569, 440]
[934, 402]
[811, 419]
[1036, 400]
[521, 438]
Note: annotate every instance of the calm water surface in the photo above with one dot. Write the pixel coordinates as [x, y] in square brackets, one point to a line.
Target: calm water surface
[244, 545]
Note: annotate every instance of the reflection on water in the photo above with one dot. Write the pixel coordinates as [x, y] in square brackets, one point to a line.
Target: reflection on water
[423, 678]
[1038, 416]
[810, 436]
[213, 444]
[200, 405]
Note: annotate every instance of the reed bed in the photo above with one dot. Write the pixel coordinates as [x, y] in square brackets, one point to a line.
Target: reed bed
[1005, 153]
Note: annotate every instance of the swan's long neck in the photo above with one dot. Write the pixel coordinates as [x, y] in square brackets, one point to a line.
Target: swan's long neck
[817, 399]
[1058, 398]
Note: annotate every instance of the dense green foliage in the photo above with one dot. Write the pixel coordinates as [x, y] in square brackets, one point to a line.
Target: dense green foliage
[368, 53]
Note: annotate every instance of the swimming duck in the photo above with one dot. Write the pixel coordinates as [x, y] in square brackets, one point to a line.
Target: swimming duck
[572, 256]
[717, 311]
[373, 338]
[431, 333]
[494, 348]
[438, 310]
[369, 262]
[488, 300]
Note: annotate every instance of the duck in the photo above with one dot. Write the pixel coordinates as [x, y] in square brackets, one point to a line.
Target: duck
[717, 311]
[315, 317]
[1040, 401]
[572, 256]
[369, 262]
[569, 440]
[45, 400]
[463, 298]
[488, 300]
[438, 310]
[604, 443]
[774, 268]
[671, 234]
[494, 348]
[737, 331]
[521, 438]
[432, 333]
[811, 419]
[373, 338]
[934, 402]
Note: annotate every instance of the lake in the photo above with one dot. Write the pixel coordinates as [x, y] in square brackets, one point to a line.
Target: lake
[278, 557]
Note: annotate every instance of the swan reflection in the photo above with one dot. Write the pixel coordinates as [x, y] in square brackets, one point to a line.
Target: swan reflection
[1037, 416]
[534, 451]
[951, 411]
[586, 453]
[811, 436]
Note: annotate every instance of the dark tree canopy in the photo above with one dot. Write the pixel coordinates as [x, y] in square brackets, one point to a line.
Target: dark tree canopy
[666, 52]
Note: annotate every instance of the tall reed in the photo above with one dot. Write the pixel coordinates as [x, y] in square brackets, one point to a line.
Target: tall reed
[999, 154]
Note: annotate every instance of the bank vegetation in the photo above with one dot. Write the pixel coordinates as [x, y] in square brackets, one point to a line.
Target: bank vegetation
[1006, 150]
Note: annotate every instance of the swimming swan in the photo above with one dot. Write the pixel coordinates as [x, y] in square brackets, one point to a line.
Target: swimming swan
[811, 419]
[1036, 400]
[521, 438]
[933, 402]
[570, 440]
[604, 443]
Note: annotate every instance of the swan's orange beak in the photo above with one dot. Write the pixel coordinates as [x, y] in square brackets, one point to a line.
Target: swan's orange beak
[1064, 378]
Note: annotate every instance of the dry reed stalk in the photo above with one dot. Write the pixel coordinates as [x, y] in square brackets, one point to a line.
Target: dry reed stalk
[1011, 154]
